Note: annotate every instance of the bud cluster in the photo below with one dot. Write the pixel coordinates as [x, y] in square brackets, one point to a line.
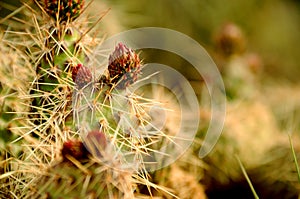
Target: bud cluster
[124, 68]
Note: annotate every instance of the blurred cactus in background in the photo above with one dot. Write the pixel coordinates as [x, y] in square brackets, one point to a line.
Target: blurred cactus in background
[255, 47]
[238, 67]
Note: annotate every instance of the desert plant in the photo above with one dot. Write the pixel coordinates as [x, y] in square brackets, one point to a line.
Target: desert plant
[77, 129]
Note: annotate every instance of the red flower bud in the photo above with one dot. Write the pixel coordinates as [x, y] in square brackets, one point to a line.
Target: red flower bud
[124, 66]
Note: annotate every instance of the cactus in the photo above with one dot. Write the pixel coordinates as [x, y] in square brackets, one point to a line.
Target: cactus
[240, 68]
[59, 54]
[77, 128]
[79, 175]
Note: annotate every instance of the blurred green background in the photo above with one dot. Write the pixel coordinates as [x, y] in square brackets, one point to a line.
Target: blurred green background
[271, 27]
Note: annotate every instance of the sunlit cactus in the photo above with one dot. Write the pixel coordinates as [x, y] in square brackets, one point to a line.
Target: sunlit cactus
[84, 135]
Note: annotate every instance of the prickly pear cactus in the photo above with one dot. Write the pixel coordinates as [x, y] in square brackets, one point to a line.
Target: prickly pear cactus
[82, 134]
[79, 175]
[60, 52]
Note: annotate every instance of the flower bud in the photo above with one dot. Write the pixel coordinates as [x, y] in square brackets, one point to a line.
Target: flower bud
[124, 66]
[63, 10]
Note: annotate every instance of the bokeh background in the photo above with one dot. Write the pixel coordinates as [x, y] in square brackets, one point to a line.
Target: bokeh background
[271, 27]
